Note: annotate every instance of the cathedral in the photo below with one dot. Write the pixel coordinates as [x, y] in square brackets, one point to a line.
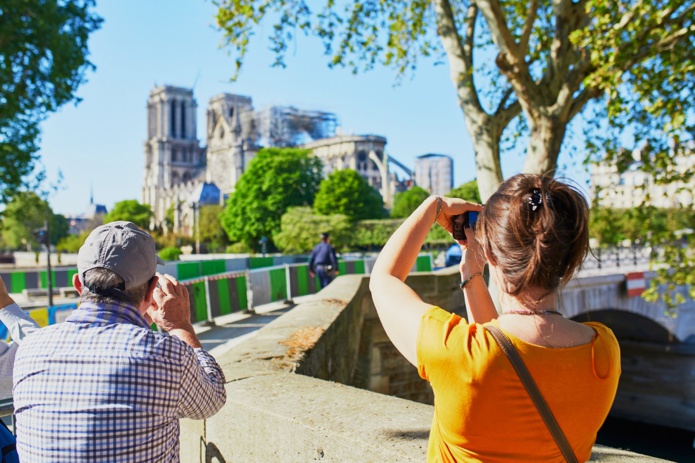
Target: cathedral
[181, 175]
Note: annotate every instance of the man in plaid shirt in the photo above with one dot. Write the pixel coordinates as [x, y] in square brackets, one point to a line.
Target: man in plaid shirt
[102, 386]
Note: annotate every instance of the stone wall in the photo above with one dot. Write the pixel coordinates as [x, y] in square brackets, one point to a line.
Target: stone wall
[274, 414]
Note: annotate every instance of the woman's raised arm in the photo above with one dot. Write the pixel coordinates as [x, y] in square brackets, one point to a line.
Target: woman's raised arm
[399, 307]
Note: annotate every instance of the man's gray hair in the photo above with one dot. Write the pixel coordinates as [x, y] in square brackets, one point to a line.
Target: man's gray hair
[102, 286]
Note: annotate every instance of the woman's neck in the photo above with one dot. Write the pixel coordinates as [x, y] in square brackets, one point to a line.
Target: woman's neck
[531, 300]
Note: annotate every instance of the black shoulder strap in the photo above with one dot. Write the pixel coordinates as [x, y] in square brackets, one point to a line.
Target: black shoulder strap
[530, 385]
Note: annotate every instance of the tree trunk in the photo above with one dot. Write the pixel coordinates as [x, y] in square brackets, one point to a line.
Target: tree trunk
[487, 159]
[545, 142]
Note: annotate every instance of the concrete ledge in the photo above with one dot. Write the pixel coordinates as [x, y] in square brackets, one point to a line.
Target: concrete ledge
[274, 414]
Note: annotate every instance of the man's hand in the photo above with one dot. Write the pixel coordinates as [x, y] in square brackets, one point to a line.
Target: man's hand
[312, 274]
[5, 298]
[171, 310]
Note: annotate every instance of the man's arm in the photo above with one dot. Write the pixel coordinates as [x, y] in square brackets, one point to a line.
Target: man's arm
[19, 324]
[312, 259]
[202, 380]
[202, 385]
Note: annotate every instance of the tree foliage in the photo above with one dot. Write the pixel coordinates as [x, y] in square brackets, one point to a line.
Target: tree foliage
[347, 192]
[212, 234]
[300, 230]
[467, 191]
[276, 179]
[170, 253]
[43, 60]
[405, 202]
[625, 65]
[130, 210]
[25, 214]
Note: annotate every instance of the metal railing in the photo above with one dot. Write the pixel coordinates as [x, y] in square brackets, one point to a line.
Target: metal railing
[617, 256]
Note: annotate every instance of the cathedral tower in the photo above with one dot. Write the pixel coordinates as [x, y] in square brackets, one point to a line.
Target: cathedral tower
[230, 136]
[172, 150]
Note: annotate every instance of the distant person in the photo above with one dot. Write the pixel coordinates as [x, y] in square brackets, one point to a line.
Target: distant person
[102, 386]
[19, 325]
[322, 261]
[533, 234]
[453, 255]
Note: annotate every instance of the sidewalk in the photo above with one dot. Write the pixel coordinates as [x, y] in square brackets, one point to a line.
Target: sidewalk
[233, 329]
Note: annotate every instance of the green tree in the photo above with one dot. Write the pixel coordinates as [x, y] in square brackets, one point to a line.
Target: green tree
[276, 179]
[347, 192]
[605, 226]
[130, 210]
[212, 234]
[467, 191]
[25, 214]
[72, 243]
[405, 202]
[300, 228]
[621, 64]
[43, 51]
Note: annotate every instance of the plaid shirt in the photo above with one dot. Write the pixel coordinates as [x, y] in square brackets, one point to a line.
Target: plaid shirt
[104, 387]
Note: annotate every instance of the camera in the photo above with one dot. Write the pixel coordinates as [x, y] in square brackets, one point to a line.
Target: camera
[459, 222]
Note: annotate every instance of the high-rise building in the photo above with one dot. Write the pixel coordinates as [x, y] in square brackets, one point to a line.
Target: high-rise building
[434, 173]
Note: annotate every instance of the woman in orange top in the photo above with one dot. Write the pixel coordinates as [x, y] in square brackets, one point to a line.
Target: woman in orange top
[533, 234]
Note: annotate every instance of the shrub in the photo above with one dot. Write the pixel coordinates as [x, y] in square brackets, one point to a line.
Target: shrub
[170, 253]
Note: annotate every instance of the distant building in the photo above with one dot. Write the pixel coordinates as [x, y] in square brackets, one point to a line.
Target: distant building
[181, 175]
[611, 189]
[89, 220]
[435, 173]
[363, 153]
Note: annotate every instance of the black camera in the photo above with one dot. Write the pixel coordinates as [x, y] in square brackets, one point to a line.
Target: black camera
[465, 220]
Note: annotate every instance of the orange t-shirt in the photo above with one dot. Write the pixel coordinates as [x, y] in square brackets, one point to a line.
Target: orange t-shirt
[482, 412]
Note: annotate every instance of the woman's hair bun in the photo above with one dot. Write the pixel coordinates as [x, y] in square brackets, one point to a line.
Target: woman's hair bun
[535, 229]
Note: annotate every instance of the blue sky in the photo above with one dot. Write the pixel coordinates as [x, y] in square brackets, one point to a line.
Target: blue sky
[99, 142]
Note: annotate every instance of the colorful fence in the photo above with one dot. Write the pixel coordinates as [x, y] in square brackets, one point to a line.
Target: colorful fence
[222, 294]
[213, 289]
[18, 281]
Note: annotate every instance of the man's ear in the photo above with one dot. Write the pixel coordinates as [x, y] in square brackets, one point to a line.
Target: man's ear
[150, 290]
[76, 283]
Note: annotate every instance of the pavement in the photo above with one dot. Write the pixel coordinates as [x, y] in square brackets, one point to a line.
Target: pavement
[233, 329]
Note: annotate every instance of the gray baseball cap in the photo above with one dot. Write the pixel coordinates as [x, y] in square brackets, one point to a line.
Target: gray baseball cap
[122, 248]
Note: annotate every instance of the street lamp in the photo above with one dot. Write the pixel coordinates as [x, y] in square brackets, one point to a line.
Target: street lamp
[196, 221]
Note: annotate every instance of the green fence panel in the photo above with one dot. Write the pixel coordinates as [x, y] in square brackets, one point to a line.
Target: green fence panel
[188, 270]
[278, 284]
[19, 282]
[359, 267]
[223, 295]
[342, 268]
[213, 267]
[423, 264]
[201, 306]
[261, 262]
[44, 281]
[241, 293]
[303, 280]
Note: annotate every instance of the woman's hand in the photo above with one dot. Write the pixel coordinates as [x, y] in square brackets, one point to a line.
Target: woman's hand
[452, 207]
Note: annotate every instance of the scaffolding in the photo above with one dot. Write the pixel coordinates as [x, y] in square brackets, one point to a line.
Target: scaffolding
[287, 126]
